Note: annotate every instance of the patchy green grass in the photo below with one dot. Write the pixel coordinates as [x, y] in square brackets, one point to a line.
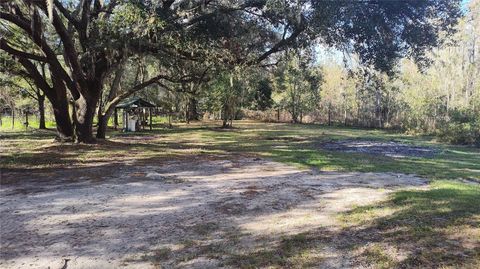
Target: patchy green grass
[301, 145]
[376, 255]
[437, 227]
[295, 144]
[297, 251]
[310, 249]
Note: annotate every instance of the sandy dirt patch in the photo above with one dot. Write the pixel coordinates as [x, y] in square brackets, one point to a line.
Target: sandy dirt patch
[194, 214]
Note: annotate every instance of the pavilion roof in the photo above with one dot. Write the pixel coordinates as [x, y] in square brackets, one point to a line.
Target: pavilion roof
[134, 102]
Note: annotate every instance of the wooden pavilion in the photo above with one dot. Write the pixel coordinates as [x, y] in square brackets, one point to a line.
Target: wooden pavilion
[137, 114]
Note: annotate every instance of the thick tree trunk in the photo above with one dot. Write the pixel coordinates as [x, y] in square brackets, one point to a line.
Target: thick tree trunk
[115, 119]
[59, 103]
[84, 112]
[41, 111]
[63, 121]
[223, 116]
[103, 119]
[102, 122]
[102, 126]
[192, 109]
[293, 112]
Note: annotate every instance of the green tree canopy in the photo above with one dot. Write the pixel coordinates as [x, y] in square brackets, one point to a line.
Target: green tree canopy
[83, 42]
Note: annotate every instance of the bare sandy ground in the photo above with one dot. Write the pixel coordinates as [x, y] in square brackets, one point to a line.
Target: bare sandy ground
[174, 214]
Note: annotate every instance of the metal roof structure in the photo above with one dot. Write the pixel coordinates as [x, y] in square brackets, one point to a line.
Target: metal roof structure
[134, 102]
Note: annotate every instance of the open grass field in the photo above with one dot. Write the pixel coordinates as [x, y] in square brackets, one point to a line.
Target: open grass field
[259, 195]
[294, 144]
[18, 125]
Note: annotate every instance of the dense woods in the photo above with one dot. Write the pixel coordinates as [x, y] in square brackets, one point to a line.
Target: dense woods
[332, 62]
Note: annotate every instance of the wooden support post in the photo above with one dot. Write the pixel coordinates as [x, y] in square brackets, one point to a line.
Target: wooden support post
[150, 111]
[125, 119]
[144, 118]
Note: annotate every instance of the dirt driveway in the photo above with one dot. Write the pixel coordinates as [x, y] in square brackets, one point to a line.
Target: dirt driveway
[195, 214]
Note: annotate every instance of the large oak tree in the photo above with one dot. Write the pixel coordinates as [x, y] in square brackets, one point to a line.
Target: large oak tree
[83, 42]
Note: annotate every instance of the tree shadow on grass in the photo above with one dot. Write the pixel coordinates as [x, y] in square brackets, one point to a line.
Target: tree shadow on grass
[30, 134]
[303, 250]
[56, 155]
[432, 228]
[107, 152]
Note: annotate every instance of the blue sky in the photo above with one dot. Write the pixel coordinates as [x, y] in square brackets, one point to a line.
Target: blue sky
[326, 55]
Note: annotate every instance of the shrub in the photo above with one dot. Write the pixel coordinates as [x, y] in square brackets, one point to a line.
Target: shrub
[462, 128]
